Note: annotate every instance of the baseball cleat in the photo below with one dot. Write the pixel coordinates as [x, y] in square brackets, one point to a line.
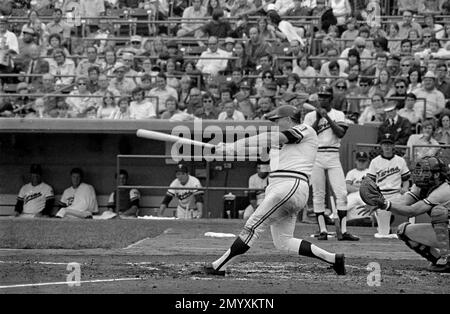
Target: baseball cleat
[322, 236]
[209, 270]
[339, 264]
[441, 266]
[348, 237]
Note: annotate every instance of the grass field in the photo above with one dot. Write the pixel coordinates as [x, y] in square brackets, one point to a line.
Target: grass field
[158, 256]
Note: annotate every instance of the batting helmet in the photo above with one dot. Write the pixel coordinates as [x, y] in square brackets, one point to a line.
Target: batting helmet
[425, 170]
[325, 91]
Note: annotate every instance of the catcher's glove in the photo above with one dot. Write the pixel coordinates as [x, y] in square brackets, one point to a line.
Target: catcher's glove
[371, 195]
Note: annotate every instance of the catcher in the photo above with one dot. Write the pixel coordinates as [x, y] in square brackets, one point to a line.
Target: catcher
[430, 194]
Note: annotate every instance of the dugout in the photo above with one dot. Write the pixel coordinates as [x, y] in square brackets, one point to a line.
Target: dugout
[61, 144]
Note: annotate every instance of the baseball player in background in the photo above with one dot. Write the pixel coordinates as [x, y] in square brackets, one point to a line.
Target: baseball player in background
[430, 194]
[36, 198]
[190, 200]
[292, 154]
[391, 173]
[257, 181]
[128, 198]
[330, 125]
[78, 200]
[353, 181]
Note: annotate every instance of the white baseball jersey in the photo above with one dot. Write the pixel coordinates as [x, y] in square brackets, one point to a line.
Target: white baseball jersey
[255, 182]
[389, 173]
[328, 141]
[186, 197]
[82, 198]
[297, 157]
[34, 197]
[355, 176]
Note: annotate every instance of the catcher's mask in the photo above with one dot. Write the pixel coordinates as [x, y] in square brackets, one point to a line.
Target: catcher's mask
[424, 172]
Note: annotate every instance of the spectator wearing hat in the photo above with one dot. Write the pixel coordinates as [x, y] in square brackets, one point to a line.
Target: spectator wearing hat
[398, 127]
[229, 45]
[92, 60]
[141, 107]
[196, 11]
[393, 65]
[434, 99]
[207, 64]
[230, 113]
[26, 41]
[425, 137]
[62, 67]
[190, 201]
[36, 198]
[162, 91]
[124, 85]
[11, 42]
[353, 181]
[127, 59]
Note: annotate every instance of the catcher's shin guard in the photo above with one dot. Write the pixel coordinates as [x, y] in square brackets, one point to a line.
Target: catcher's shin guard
[439, 221]
[425, 251]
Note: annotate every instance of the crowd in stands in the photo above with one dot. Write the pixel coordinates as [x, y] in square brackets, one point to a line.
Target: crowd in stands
[226, 60]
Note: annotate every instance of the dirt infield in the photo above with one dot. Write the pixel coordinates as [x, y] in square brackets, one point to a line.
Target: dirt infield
[170, 262]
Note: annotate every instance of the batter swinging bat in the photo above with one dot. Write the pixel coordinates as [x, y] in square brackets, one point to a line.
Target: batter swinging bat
[169, 138]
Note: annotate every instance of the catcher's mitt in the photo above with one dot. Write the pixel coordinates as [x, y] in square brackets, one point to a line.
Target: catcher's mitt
[370, 193]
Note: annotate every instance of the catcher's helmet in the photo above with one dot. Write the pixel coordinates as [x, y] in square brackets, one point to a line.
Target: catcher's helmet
[325, 91]
[426, 168]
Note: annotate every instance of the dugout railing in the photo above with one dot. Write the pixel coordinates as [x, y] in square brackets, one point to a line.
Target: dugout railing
[206, 160]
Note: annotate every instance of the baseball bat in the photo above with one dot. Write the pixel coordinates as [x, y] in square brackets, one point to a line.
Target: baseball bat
[159, 136]
[308, 106]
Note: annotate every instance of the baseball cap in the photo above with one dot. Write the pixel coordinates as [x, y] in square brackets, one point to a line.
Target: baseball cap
[35, 168]
[362, 156]
[391, 105]
[136, 38]
[430, 74]
[21, 86]
[282, 112]
[245, 84]
[182, 168]
[118, 65]
[325, 91]
[387, 138]
[28, 30]
[229, 40]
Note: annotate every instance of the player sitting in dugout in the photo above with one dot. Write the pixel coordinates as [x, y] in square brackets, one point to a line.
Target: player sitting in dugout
[190, 200]
[35, 198]
[128, 198]
[78, 200]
